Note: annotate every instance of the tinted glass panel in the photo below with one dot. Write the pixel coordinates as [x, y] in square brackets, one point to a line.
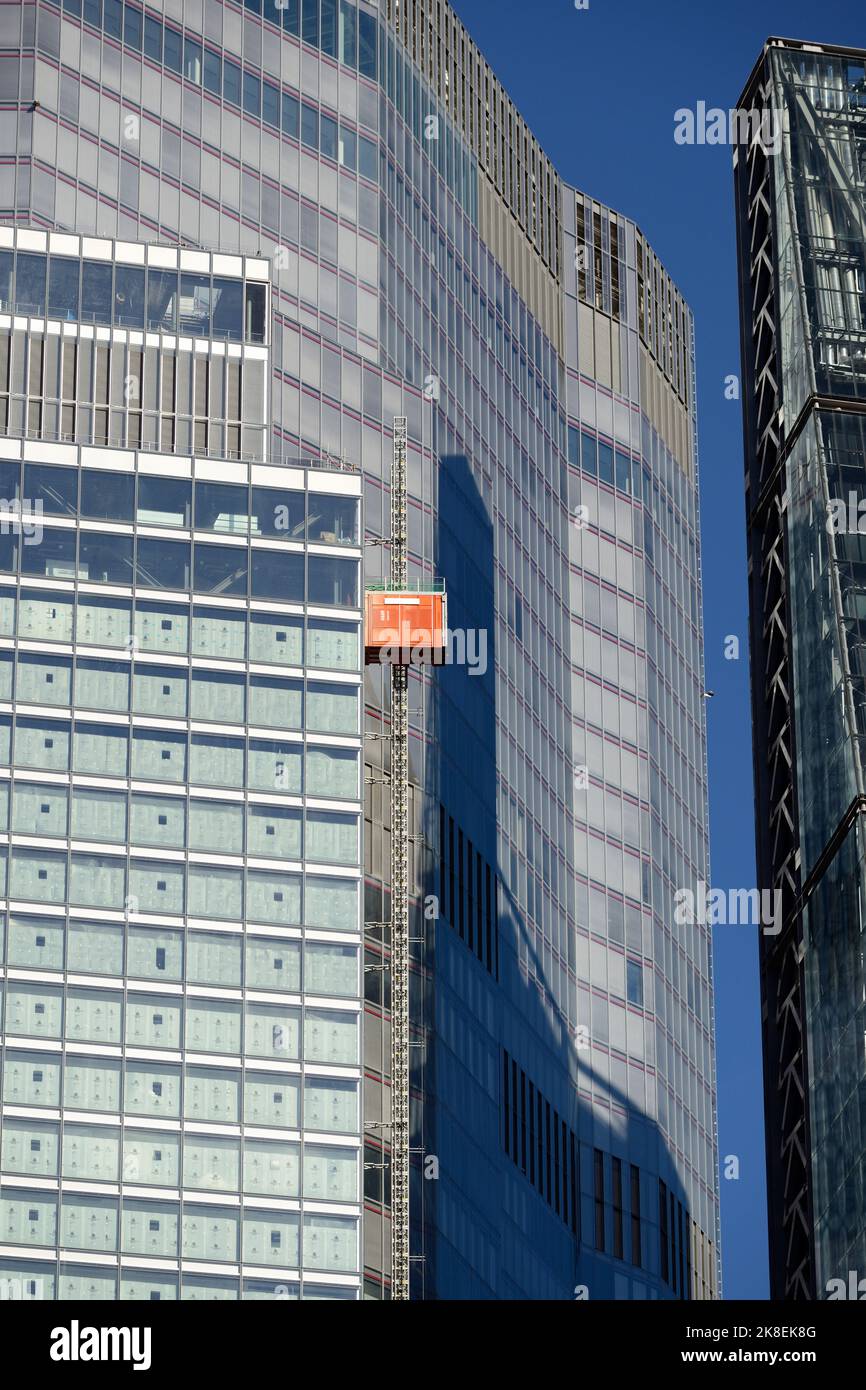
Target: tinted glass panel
[107, 496]
[55, 488]
[63, 288]
[96, 292]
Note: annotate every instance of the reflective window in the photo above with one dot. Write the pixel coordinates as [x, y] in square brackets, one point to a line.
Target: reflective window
[309, 126]
[162, 564]
[6, 260]
[162, 300]
[164, 501]
[54, 488]
[173, 52]
[222, 507]
[328, 137]
[30, 272]
[231, 83]
[333, 519]
[63, 287]
[212, 72]
[195, 304]
[54, 557]
[102, 685]
[96, 292]
[252, 93]
[105, 559]
[192, 67]
[228, 308]
[333, 581]
[277, 576]
[271, 105]
[254, 313]
[291, 115]
[279, 513]
[10, 479]
[107, 496]
[221, 570]
[129, 296]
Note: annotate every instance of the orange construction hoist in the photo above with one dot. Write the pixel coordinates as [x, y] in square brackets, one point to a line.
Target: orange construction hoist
[406, 627]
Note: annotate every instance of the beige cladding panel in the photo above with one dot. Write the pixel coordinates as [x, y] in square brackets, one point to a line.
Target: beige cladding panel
[521, 263]
[666, 413]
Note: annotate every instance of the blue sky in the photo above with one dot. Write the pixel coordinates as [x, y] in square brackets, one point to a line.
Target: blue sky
[600, 87]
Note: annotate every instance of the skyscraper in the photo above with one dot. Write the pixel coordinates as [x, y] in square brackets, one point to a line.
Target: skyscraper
[180, 727]
[801, 222]
[428, 261]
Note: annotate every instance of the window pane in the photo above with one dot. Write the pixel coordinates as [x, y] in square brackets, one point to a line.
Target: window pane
[214, 959]
[30, 274]
[163, 501]
[228, 309]
[212, 76]
[218, 697]
[129, 299]
[105, 559]
[221, 570]
[277, 576]
[154, 953]
[63, 287]
[274, 832]
[107, 496]
[102, 685]
[217, 761]
[36, 943]
[162, 564]
[159, 756]
[43, 680]
[100, 750]
[53, 558]
[159, 628]
[222, 507]
[291, 115]
[279, 513]
[333, 581]
[151, 1157]
[276, 704]
[103, 622]
[158, 820]
[98, 815]
[252, 92]
[95, 948]
[160, 690]
[96, 292]
[162, 300]
[332, 645]
[232, 83]
[333, 708]
[38, 809]
[254, 313]
[276, 640]
[219, 632]
[217, 826]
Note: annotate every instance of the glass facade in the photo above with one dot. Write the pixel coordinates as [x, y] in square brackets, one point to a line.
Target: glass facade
[180, 793]
[426, 261]
[816, 246]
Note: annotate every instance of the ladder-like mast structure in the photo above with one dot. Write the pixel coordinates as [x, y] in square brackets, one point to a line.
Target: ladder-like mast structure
[399, 893]
[404, 625]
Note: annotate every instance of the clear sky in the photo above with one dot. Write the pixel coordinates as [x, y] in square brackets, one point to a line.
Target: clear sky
[599, 87]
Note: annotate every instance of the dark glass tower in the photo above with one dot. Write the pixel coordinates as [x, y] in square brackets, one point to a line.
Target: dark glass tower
[428, 261]
[801, 219]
